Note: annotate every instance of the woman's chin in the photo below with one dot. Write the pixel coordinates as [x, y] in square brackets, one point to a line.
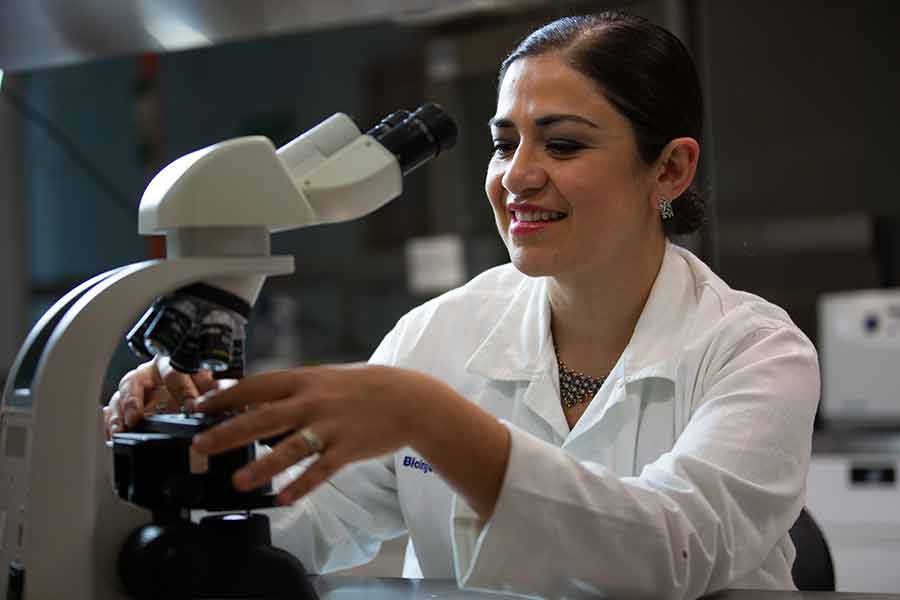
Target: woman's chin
[533, 266]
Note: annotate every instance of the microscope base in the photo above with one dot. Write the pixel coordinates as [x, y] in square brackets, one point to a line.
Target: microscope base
[224, 556]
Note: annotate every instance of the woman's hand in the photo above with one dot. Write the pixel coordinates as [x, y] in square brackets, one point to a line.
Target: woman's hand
[354, 412]
[153, 387]
[343, 413]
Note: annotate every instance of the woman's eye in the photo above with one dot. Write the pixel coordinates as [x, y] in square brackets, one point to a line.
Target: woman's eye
[563, 147]
[502, 148]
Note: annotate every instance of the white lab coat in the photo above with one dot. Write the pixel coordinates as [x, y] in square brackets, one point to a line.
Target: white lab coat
[683, 476]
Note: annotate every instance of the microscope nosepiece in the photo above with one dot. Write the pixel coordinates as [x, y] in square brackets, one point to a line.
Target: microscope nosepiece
[197, 327]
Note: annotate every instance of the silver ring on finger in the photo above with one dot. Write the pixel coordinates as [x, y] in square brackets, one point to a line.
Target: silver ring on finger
[313, 441]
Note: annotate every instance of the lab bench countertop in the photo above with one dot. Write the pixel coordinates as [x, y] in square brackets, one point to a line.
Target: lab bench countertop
[336, 587]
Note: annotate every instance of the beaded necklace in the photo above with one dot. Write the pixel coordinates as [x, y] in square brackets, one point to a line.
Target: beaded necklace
[576, 387]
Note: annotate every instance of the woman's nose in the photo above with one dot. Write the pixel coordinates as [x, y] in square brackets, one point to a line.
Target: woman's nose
[524, 173]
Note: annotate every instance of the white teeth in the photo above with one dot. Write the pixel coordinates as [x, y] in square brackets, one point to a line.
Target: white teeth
[537, 215]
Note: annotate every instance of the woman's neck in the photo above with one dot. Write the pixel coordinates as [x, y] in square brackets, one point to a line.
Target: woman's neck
[594, 311]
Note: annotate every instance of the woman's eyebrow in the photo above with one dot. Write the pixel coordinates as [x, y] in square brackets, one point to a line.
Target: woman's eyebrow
[544, 121]
[554, 119]
[501, 123]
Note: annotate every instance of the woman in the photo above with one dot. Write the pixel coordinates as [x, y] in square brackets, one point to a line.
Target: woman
[602, 415]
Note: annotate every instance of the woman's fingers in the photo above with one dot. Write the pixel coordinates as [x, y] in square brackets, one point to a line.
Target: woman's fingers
[317, 473]
[127, 405]
[343, 414]
[159, 400]
[287, 453]
[153, 387]
[180, 385]
[204, 381]
[132, 391]
[128, 400]
[112, 415]
[185, 389]
[266, 421]
[256, 389]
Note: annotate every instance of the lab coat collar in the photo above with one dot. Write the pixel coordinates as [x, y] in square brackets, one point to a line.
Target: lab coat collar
[520, 348]
[658, 336]
[511, 352]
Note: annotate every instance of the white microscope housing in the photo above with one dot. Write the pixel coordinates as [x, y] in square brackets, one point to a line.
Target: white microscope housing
[61, 525]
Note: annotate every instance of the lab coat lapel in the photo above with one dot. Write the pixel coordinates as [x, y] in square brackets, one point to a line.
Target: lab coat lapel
[520, 348]
[614, 416]
[625, 448]
[542, 398]
[668, 314]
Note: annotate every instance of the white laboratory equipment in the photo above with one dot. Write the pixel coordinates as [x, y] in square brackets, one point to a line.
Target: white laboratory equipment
[853, 493]
[859, 342]
[62, 523]
[852, 486]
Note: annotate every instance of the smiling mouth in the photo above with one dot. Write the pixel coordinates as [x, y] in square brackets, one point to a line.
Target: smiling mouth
[537, 216]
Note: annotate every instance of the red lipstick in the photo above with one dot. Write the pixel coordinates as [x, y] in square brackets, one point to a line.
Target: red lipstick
[517, 227]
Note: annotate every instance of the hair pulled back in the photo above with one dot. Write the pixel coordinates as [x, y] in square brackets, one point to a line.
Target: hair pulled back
[645, 72]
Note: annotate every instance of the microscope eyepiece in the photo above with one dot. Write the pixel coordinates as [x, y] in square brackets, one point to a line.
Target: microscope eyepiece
[417, 137]
[388, 123]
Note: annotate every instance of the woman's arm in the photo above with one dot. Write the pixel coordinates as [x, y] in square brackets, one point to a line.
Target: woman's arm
[468, 447]
[704, 516]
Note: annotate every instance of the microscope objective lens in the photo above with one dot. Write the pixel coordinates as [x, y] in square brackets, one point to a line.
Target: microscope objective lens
[236, 367]
[186, 357]
[197, 327]
[171, 326]
[135, 337]
[216, 331]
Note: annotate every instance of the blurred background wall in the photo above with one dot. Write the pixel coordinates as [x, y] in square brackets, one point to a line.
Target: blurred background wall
[801, 107]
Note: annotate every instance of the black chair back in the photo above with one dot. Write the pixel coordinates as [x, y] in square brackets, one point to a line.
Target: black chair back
[813, 569]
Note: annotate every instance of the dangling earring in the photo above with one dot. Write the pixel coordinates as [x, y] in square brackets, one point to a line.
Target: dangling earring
[665, 209]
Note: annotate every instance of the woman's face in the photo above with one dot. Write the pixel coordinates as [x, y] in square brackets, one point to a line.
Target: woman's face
[569, 191]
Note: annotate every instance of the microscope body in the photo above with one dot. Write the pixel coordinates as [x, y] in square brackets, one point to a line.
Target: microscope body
[63, 522]
[62, 527]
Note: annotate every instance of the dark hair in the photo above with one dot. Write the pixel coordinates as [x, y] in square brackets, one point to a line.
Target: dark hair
[645, 72]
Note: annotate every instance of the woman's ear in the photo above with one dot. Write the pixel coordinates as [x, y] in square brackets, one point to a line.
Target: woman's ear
[676, 167]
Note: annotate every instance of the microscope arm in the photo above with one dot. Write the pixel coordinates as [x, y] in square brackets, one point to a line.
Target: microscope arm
[329, 174]
[71, 553]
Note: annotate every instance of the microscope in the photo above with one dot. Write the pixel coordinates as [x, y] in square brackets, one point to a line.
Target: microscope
[63, 532]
